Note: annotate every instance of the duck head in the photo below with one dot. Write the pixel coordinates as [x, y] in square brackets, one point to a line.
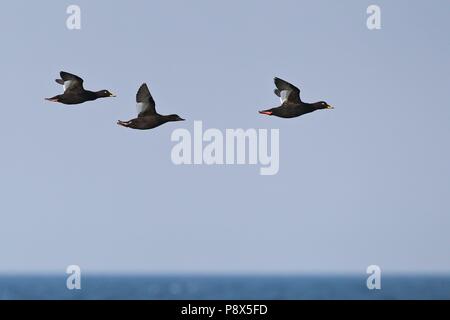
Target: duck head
[322, 105]
[104, 94]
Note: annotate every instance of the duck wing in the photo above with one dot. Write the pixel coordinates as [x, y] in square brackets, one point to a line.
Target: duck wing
[288, 93]
[70, 82]
[144, 102]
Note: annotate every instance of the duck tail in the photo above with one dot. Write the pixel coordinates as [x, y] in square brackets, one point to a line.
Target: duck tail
[53, 99]
[125, 124]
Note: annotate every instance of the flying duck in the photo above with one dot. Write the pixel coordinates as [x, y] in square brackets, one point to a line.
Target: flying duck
[291, 104]
[147, 118]
[74, 92]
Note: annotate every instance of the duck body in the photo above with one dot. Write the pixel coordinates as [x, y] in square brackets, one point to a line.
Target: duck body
[74, 93]
[76, 97]
[291, 110]
[291, 104]
[148, 122]
[147, 117]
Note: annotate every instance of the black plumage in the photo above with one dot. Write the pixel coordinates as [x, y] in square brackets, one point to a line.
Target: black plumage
[291, 104]
[74, 93]
[147, 118]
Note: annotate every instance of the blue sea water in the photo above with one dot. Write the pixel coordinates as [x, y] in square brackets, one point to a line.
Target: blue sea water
[224, 287]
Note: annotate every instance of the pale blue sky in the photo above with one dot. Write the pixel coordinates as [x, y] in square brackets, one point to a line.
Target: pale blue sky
[366, 183]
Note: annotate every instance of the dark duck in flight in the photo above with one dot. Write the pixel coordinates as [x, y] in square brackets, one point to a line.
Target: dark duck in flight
[291, 104]
[147, 118]
[74, 92]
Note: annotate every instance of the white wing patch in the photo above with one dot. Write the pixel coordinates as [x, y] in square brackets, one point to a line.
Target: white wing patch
[141, 107]
[67, 84]
[284, 94]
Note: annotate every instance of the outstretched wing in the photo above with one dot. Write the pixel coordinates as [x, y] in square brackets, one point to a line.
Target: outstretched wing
[144, 102]
[70, 82]
[287, 92]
